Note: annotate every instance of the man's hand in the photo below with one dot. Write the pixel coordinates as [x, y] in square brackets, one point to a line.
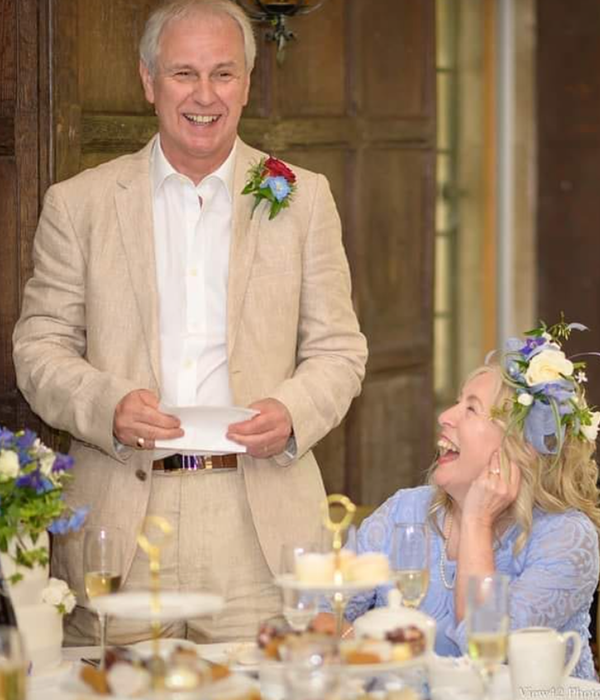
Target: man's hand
[138, 422]
[266, 434]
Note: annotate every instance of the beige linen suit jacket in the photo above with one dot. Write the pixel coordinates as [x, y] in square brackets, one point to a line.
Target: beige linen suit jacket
[88, 335]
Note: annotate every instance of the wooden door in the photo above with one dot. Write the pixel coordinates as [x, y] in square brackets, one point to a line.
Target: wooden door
[24, 173]
[568, 172]
[354, 99]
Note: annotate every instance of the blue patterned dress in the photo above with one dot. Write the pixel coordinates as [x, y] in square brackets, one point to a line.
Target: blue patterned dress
[553, 577]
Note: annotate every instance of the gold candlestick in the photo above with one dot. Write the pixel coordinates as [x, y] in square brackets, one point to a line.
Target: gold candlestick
[153, 550]
[337, 528]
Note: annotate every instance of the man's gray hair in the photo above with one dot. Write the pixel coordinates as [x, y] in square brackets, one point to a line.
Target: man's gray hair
[178, 9]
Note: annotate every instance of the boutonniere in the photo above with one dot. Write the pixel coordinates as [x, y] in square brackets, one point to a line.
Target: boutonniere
[272, 180]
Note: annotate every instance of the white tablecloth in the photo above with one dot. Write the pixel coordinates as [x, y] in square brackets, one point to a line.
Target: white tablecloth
[51, 684]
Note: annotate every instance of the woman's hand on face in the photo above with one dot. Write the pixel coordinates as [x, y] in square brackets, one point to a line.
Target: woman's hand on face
[492, 492]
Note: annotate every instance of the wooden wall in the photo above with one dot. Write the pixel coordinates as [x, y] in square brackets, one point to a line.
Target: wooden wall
[568, 220]
[354, 99]
[24, 172]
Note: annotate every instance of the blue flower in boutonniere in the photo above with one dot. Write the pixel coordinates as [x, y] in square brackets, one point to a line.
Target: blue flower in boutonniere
[272, 180]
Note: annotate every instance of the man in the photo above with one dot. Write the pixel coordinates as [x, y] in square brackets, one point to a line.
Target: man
[156, 280]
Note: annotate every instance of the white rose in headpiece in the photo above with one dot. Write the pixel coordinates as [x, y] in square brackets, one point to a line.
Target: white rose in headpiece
[548, 366]
[591, 431]
[9, 465]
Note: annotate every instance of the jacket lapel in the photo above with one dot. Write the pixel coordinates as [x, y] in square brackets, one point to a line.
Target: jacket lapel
[134, 211]
[245, 230]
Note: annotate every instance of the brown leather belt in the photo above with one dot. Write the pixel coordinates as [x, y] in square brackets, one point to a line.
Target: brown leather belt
[195, 463]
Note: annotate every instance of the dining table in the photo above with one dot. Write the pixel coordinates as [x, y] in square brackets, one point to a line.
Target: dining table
[57, 683]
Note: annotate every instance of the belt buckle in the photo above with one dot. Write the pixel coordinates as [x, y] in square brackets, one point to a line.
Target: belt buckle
[206, 461]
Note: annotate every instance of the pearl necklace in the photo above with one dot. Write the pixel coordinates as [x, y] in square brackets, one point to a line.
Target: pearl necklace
[443, 556]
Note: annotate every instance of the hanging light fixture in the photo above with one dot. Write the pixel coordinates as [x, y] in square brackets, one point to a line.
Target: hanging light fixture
[275, 12]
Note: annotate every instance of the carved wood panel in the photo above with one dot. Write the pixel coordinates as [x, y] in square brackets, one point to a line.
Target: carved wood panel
[568, 246]
[24, 168]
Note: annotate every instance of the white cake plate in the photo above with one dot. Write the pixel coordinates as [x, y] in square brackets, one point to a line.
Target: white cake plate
[173, 605]
[351, 587]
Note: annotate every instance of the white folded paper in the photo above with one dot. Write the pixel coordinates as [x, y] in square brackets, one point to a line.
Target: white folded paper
[205, 428]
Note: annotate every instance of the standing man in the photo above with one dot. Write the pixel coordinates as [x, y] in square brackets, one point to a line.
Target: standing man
[156, 280]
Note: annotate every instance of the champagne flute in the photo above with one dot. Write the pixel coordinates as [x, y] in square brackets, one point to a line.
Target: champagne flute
[299, 607]
[486, 619]
[409, 559]
[13, 665]
[102, 568]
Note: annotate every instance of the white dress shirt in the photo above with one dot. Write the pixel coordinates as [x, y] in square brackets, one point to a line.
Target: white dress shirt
[192, 235]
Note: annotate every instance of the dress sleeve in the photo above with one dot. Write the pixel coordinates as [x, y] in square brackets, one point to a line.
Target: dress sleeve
[558, 573]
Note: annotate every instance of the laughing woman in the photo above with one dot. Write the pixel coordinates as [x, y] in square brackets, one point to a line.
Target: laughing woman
[513, 490]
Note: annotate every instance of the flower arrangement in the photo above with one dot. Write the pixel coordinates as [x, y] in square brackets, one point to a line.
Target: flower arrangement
[549, 399]
[57, 593]
[32, 478]
[273, 181]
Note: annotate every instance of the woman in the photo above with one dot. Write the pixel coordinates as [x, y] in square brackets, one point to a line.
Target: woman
[513, 490]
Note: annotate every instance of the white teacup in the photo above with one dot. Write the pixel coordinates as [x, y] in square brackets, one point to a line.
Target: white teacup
[537, 659]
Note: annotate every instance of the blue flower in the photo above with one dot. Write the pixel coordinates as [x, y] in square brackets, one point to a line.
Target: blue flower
[532, 346]
[279, 186]
[33, 480]
[68, 524]
[62, 463]
[26, 440]
[44, 485]
[7, 438]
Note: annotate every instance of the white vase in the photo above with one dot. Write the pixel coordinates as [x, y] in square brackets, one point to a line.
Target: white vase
[39, 623]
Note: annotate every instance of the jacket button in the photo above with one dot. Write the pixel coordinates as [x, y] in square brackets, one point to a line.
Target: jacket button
[141, 474]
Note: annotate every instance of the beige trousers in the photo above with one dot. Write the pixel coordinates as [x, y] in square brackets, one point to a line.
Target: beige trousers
[214, 547]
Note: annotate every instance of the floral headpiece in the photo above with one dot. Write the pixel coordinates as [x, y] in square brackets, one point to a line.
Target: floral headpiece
[549, 400]
[272, 180]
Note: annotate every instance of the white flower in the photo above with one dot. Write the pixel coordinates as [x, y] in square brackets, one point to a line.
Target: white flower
[591, 431]
[57, 593]
[581, 377]
[525, 399]
[9, 465]
[546, 336]
[46, 462]
[548, 366]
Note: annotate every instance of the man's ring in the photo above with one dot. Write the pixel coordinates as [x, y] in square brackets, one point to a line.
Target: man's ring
[140, 443]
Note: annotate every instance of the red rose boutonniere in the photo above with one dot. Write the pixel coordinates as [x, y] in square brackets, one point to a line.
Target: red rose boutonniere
[272, 180]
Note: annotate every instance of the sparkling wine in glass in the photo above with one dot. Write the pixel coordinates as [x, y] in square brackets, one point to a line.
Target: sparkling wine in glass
[102, 569]
[409, 558]
[487, 622]
[13, 665]
[299, 607]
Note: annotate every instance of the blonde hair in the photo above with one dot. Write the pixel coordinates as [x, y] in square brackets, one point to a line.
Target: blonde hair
[552, 483]
[179, 9]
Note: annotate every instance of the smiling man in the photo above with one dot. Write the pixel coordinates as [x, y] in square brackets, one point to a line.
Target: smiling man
[157, 280]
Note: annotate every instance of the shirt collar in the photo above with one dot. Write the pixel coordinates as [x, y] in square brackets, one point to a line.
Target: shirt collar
[161, 170]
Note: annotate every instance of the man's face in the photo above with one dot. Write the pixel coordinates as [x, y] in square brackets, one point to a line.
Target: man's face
[199, 90]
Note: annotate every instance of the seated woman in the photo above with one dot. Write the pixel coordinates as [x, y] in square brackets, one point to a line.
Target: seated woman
[512, 490]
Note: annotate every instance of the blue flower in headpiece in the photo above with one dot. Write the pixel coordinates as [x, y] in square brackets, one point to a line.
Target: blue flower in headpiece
[532, 346]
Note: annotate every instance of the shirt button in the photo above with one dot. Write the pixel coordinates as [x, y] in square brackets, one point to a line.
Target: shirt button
[188, 364]
[141, 475]
[193, 272]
